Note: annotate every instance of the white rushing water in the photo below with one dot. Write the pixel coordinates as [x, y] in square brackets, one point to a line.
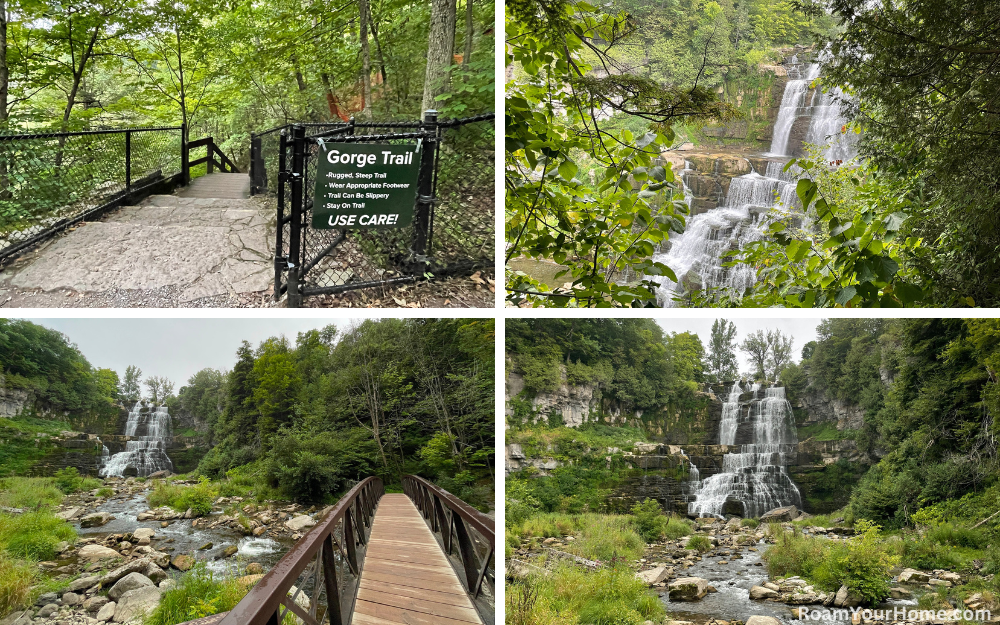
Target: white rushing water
[148, 429]
[696, 255]
[755, 477]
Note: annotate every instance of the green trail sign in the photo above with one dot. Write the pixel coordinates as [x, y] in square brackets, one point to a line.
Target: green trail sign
[365, 185]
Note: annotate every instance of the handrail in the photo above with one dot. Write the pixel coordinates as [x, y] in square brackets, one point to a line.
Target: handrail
[225, 164]
[435, 504]
[82, 133]
[356, 510]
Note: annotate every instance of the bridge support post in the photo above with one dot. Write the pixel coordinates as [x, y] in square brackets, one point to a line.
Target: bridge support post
[330, 582]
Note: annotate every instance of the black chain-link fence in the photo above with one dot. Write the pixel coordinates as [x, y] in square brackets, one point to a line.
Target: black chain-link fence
[453, 225]
[49, 181]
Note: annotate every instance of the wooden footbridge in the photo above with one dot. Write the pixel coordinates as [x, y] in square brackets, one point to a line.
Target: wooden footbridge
[419, 558]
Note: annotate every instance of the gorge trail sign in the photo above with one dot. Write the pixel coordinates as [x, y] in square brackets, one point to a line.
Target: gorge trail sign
[365, 185]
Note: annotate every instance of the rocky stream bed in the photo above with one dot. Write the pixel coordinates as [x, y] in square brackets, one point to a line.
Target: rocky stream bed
[126, 554]
[729, 583]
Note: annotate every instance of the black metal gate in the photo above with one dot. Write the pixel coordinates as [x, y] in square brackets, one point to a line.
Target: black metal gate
[311, 261]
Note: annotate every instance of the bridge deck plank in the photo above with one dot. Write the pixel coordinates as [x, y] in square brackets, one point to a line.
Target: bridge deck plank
[406, 577]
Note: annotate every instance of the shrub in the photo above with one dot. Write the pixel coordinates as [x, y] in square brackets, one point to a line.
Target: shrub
[606, 537]
[16, 578]
[33, 535]
[676, 528]
[519, 503]
[197, 594]
[868, 563]
[68, 480]
[751, 523]
[701, 544]
[949, 534]
[105, 492]
[649, 520]
[618, 598]
[198, 498]
[926, 554]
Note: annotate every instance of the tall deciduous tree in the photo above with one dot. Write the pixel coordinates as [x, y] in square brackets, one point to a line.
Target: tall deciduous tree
[131, 389]
[440, 50]
[757, 346]
[722, 363]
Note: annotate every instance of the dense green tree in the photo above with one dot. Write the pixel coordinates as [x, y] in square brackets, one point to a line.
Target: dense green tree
[721, 361]
[131, 389]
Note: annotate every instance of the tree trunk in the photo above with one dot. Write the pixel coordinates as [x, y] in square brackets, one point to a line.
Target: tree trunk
[366, 61]
[378, 50]
[180, 79]
[4, 74]
[440, 50]
[331, 100]
[469, 31]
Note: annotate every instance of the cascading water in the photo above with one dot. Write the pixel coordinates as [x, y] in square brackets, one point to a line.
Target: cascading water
[753, 480]
[148, 430]
[696, 255]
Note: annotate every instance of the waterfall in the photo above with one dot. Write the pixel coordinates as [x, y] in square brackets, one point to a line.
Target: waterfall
[696, 256]
[148, 431]
[753, 480]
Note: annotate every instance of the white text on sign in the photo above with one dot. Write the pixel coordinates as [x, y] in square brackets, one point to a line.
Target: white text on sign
[362, 160]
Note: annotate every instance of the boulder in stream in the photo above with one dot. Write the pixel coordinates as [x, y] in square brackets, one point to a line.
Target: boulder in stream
[759, 592]
[127, 583]
[780, 515]
[688, 589]
[17, 618]
[652, 576]
[300, 523]
[182, 562]
[762, 620]
[106, 612]
[135, 604]
[96, 519]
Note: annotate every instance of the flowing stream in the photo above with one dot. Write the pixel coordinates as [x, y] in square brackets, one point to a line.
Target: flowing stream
[148, 430]
[696, 256]
[753, 480]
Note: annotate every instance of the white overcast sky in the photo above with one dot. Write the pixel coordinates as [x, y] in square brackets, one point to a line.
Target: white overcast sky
[801, 330]
[175, 348]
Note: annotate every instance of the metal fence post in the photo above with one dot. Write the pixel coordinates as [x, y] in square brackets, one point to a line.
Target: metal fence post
[128, 165]
[185, 160]
[295, 239]
[254, 144]
[280, 262]
[425, 192]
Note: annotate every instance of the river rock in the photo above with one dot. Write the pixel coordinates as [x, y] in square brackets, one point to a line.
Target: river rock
[300, 523]
[231, 550]
[93, 553]
[155, 573]
[160, 474]
[182, 562]
[48, 610]
[96, 519]
[762, 620]
[653, 576]
[913, 576]
[846, 599]
[17, 618]
[47, 598]
[166, 584]
[107, 612]
[254, 568]
[900, 593]
[688, 589]
[83, 583]
[780, 515]
[135, 566]
[772, 586]
[759, 592]
[136, 603]
[127, 583]
[160, 559]
[69, 513]
[205, 546]
[948, 576]
[95, 603]
[71, 599]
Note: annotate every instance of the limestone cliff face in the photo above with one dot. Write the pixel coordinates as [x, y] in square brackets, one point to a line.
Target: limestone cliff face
[819, 407]
[575, 405]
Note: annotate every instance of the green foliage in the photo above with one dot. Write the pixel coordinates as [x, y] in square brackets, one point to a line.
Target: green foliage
[16, 579]
[29, 492]
[519, 504]
[607, 537]
[22, 446]
[33, 535]
[868, 563]
[589, 199]
[610, 595]
[699, 543]
[105, 492]
[44, 362]
[198, 593]
[653, 525]
[751, 523]
[69, 481]
[198, 497]
[312, 468]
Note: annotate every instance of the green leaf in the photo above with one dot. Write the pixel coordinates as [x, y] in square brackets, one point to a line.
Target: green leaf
[908, 293]
[845, 295]
[568, 170]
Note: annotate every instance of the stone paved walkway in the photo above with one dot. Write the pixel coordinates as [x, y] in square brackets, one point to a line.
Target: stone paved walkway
[192, 248]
